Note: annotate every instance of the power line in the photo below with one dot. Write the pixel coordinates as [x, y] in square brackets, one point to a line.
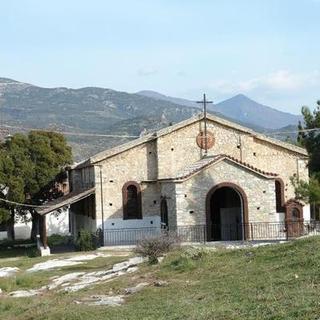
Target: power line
[73, 133]
[132, 136]
[288, 132]
[23, 204]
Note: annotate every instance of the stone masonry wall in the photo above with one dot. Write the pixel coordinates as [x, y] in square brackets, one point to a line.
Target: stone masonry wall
[179, 149]
[166, 155]
[137, 164]
[191, 194]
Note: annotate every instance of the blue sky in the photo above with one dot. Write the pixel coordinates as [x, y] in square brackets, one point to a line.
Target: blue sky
[266, 49]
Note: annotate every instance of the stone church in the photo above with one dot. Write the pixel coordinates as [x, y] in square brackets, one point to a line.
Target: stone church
[179, 176]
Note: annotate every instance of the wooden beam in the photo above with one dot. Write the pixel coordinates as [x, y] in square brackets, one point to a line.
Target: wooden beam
[44, 232]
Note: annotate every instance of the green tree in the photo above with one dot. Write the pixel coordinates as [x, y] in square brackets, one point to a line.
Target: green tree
[311, 139]
[308, 192]
[29, 165]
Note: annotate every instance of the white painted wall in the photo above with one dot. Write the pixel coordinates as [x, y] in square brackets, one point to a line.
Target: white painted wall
[58, 223]
[123, 234]
[277, 217]
[306, 212]
[146, 222]
[3, 235]
[22, 227]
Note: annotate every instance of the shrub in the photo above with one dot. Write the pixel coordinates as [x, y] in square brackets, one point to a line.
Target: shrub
[196, 253]
[59, 240]
[33, 253]
[188, 259]
[86, 241]
[182, 264]
[154, 247]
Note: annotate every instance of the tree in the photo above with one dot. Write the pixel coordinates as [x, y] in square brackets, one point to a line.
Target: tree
[310, 192]
[311, 139]
[29, 165]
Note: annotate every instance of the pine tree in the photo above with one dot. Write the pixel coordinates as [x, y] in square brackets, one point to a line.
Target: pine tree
[311, 139]
[310, 192]
[28, 167]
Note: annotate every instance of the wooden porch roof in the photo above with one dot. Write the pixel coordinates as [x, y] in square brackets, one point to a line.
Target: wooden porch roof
[66, 200]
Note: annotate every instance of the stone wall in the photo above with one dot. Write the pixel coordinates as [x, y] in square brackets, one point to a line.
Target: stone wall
[166, 155]
[137, 164]
[179, 149]
[191, 194]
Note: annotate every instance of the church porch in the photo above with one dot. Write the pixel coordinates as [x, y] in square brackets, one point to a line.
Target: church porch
[221, 199]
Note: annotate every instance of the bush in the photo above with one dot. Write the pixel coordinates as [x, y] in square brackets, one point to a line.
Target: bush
[59, 240]
[33, 252]
[196, 253]
[182, 264]
[188, 259]
[86, 241]
[156, 246]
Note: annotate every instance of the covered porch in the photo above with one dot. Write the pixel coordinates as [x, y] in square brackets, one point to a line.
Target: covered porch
[81, 209]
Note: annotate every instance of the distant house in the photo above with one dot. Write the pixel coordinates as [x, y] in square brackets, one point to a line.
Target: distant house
[184, 176]
[57, 223]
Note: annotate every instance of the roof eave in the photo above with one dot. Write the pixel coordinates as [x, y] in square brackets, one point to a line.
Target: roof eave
[165, 131]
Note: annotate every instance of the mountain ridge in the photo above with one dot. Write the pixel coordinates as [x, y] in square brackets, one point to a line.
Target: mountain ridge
[92, 110]
[240, 108]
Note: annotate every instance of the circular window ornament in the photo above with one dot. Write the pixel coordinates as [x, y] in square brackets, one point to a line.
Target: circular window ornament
[204, 141]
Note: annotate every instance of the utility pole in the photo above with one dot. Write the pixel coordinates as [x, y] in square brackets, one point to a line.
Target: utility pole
[102, 203]
[204, 103]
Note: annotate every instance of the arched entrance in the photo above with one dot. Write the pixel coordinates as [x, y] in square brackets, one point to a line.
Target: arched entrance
[294, 218]
[227, 213]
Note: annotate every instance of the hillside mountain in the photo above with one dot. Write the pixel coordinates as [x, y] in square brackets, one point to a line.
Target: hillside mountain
[88, 109]
[246, 110]
[91, 110]
[239, 108]
[160, 96]
[99, 111]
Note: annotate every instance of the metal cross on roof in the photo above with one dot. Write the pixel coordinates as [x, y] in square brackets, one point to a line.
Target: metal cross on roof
[204, 102]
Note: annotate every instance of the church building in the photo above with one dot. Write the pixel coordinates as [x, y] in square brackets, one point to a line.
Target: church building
[204, 171]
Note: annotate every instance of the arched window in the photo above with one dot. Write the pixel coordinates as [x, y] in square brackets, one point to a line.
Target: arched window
[279, 189]
[131, 194]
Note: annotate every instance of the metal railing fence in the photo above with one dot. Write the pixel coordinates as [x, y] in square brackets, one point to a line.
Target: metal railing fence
[254, 231]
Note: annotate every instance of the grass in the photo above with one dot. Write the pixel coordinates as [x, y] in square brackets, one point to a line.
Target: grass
[272, 282]
[9, 249]
[33, 280]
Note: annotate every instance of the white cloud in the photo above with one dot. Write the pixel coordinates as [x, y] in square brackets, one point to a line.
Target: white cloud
[281, 80]
[147, 72]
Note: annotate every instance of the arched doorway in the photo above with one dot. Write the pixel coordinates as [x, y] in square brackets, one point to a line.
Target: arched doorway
[294, 218]
[227, 213]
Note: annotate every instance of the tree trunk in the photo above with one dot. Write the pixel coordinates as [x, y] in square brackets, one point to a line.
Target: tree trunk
[10, 227]
[35, 225]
